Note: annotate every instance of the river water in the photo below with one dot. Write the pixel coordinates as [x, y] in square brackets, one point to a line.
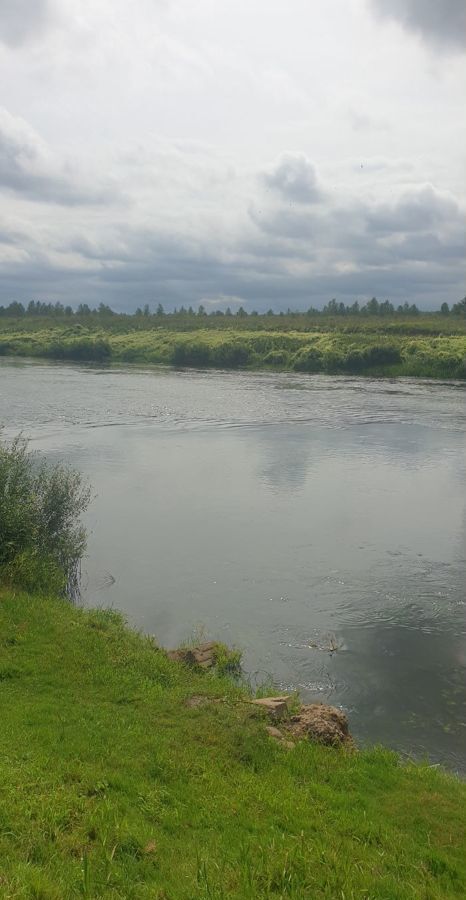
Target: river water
[285, 514]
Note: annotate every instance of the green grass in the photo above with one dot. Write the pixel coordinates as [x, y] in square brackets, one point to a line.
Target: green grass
[112, 786]
[428, 346]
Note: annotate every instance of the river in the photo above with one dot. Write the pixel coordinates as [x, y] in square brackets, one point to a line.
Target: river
[318, 523]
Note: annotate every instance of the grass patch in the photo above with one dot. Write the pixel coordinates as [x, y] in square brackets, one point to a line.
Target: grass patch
[114, 786]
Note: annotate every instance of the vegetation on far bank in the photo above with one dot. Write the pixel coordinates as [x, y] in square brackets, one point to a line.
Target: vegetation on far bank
[360, 346]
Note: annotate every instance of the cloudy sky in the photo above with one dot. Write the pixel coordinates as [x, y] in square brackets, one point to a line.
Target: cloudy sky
[264, 152]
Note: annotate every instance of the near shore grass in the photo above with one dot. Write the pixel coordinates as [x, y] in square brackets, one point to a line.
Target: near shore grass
[113, 786]
[427, 347]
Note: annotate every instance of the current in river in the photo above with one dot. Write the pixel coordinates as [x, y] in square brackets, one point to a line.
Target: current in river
[317, 523]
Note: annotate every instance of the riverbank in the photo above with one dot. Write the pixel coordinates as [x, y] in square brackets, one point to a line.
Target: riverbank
[115, 785]
[386, 351]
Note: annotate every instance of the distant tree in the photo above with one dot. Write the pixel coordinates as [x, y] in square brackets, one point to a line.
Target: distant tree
[241, 313]
[104, 310]
[160, 310]
[254, 312]
[146, 310]
[331, 309]
[270, 312]
[354, 309]
[83, 310]
[228, 311]
[386, 308]
[15, 309]
[201, 310]
[459, 309]
[444, 309]
[372, 307]
[138, 311]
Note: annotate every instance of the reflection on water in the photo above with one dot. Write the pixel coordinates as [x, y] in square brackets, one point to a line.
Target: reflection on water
[286, 514]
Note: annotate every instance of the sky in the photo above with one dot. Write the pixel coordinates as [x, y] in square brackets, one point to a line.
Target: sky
[264, 153]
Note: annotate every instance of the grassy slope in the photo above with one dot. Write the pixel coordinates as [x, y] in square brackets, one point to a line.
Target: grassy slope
[111, 786]
[424, 347]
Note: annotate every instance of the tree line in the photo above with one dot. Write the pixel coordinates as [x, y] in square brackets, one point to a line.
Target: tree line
[372, 307]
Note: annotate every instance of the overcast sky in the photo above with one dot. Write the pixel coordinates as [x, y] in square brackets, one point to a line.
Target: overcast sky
[264, 152]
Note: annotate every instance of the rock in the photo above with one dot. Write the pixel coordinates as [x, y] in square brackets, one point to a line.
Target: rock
[324, 724]
[274, 732]
[202, 655]
[276, 707]
[197, 700]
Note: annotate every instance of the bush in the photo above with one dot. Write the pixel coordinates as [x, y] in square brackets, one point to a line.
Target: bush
[191, 354]
[230, 355]
[86, 349]
[279, 358]
[41, 539]
[309, 359]
[367, 357]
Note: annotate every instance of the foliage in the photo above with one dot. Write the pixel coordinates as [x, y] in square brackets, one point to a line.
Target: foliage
[428, 346]
[114, 786]
[333, 308]
[41, 539]
[227, 659]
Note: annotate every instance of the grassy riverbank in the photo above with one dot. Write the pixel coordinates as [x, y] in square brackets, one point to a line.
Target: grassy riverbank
[114, 786]
[426, 347]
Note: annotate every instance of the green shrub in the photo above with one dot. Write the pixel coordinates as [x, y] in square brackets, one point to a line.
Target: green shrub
[278, 358]
[86, 349]
[309, 359]
[357, 360]
[230, 355]
[191, 354]
[41, 538]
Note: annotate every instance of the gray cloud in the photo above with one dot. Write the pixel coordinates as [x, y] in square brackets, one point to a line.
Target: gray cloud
[22, 21]
[441, 23]
[294, 178]
[416, 210]
[29, 168]
[128, 266]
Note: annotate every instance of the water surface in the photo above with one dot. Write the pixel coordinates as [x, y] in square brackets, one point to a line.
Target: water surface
[286, 514]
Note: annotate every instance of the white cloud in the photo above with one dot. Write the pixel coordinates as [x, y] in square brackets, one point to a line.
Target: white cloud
[28, 167]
